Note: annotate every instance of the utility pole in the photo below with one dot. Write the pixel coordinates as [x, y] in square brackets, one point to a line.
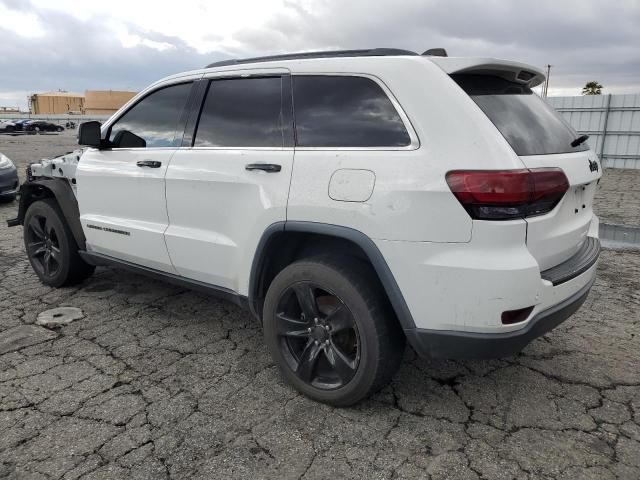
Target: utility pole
[545, 89]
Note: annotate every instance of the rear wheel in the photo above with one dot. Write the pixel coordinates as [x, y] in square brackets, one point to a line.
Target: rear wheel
[50, 246]
[330, 331]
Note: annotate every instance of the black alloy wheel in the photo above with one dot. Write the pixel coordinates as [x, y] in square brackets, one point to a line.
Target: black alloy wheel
[43, 246]
[330, 330]
[51, 247]
[318, 336]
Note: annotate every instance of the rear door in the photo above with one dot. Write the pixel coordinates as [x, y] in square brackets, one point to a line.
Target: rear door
[231, 179]
[542, 139]
[121, 190]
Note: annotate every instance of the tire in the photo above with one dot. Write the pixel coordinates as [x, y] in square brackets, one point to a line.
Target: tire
[59, 129]
[356, 345]
[51, 248]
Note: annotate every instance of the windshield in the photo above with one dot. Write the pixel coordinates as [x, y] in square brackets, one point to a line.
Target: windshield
[527, 122]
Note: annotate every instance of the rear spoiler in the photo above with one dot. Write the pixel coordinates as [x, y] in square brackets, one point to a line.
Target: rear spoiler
[512, 71]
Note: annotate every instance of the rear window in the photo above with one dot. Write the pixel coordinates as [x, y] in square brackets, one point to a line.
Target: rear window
[345, 111]
[527, 122]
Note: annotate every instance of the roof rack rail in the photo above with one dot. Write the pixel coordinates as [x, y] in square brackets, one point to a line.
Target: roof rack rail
[435, 52]
[373, 52]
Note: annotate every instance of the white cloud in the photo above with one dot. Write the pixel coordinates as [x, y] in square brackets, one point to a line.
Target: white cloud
[126, 44]
[204, 26]
[20, 23]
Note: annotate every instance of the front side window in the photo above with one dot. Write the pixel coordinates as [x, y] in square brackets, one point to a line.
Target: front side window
[242, 112]
[345, 111]
[153, 120]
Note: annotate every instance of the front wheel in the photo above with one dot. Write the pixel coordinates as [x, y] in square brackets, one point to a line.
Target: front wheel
[50, 246]
[330, 330]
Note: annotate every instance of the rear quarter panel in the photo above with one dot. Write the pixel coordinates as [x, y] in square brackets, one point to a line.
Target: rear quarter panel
[411, 200]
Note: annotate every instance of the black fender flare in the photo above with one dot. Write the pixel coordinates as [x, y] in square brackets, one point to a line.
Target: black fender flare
[367, 245]
[59, 189]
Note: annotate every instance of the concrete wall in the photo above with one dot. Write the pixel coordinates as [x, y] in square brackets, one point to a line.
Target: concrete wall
[612, 123]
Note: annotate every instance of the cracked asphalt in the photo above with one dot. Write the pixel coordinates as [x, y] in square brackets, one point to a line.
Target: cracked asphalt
[159, 382]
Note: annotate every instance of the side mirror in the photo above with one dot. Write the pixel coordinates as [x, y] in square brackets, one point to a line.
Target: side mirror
[127, 139]
[89, 134]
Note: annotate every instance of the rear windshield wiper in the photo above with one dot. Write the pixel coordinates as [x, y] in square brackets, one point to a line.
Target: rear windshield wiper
[580, 140]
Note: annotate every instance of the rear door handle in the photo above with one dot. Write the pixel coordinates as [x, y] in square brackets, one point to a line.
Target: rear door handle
[267, 167]
[149, 163]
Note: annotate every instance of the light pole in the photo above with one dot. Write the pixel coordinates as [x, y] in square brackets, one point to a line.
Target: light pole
[545, 89]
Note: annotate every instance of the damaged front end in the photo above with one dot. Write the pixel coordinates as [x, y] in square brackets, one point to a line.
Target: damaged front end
[52, 178]
[63, 166]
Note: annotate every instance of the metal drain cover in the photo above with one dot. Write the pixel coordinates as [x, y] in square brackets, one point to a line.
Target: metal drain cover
[59, 316]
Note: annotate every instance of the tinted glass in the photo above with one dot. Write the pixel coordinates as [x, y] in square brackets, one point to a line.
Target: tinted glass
[155, 118]
[242, 112]
[527, 122]
[336, 111]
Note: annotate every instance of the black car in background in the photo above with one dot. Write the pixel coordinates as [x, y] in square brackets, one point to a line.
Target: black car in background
[9, 184]
[42, 126]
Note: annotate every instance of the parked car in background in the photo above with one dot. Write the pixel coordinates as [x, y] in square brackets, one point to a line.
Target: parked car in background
[9, 183]
[7, 126]
[42, 126]
[19, 125]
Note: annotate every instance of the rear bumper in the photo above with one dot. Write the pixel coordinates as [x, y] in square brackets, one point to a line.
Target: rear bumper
[465, 345]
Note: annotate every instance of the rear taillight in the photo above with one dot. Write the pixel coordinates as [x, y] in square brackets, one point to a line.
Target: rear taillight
[508, 194]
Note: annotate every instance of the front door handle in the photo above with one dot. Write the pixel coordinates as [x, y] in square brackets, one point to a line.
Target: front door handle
[149, 163]
[267, 167]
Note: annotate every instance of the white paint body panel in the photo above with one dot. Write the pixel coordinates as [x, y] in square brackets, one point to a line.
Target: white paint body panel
[115, 193]
[218, 211]
[351, 185]
[556, 236]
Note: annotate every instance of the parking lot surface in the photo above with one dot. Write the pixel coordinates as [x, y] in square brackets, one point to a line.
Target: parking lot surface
[158, 382]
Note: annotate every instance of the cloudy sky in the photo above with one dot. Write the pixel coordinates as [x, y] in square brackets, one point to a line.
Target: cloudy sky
[126, 44]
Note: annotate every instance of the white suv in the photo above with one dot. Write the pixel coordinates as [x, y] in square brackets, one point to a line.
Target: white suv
[350, 200]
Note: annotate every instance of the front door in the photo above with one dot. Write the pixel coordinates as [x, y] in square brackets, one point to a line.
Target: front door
[121, 190]
[227, 186]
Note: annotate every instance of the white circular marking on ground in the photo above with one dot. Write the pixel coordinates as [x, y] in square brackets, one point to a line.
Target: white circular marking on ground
[59, 316]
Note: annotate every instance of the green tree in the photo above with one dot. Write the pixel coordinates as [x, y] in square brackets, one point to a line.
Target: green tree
[592, 88]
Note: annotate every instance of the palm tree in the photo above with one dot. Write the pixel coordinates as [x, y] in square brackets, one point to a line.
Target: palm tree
[592, 88]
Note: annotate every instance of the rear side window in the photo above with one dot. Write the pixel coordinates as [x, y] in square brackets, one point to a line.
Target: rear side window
[155, 117]
[528, 123]
[345, 111]
[242, 112]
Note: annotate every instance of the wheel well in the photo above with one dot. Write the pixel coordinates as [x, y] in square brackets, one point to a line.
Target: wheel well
[284, 248]
[30, 194]
[61, 192]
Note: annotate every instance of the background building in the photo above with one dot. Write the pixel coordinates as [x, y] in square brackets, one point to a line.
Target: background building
[105, 102]
[93, 102]
[57, 102]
